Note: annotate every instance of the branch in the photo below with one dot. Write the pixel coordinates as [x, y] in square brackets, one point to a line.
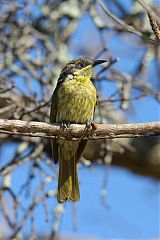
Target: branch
[78, 131]
[124, 26]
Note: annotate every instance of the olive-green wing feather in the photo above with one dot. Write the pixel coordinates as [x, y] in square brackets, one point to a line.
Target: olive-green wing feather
[80, 149]
[53, 113]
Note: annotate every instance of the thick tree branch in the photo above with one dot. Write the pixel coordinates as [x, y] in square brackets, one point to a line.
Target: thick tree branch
[78, 131]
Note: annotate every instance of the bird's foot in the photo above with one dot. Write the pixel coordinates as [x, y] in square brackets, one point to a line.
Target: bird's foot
[90, 124]
[64, 124]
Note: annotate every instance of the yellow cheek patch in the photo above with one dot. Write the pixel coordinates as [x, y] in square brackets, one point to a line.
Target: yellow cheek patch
[84, 72]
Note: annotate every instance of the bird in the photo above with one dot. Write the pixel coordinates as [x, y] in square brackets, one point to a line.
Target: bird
[73, 101]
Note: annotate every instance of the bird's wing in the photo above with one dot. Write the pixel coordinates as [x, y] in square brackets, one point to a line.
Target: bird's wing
[81, 147]
[53, 113]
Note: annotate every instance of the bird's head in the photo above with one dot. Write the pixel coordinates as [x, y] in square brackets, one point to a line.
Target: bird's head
[80, 67]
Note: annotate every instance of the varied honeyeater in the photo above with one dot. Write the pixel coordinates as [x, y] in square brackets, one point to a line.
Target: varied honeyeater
[73, 101]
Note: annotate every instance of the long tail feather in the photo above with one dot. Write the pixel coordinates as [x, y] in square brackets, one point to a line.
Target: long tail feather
[68, 187]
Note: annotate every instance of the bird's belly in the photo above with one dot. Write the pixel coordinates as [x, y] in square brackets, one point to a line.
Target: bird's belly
[76, 103]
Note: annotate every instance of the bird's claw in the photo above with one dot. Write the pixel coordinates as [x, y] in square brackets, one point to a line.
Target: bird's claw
[90, 124]
[64, 124]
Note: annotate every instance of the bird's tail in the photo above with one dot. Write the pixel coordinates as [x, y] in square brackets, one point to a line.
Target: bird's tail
[68, 187]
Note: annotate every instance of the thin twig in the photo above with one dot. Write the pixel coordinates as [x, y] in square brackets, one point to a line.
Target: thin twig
[125, 27]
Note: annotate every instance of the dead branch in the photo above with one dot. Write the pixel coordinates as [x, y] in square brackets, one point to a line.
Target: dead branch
[123, 25]
[79, 131]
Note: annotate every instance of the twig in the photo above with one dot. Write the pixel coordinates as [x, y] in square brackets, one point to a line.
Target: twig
[41, 105]
[125, 27]
[154, 25]
[122, 99]
[6, 89]
[149, 9]
[78, 131]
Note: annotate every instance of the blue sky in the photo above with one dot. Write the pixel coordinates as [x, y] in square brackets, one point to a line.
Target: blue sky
[133, 202]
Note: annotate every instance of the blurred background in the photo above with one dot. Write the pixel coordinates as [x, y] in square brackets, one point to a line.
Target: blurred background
[119, 179]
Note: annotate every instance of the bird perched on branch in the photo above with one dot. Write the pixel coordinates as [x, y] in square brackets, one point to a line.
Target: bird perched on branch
[73, 101]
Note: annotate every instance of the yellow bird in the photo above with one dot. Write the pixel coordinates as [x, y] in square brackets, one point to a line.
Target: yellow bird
[73, 101]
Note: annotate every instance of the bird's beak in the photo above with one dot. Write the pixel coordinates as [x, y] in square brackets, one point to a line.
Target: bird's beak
[97, 62]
